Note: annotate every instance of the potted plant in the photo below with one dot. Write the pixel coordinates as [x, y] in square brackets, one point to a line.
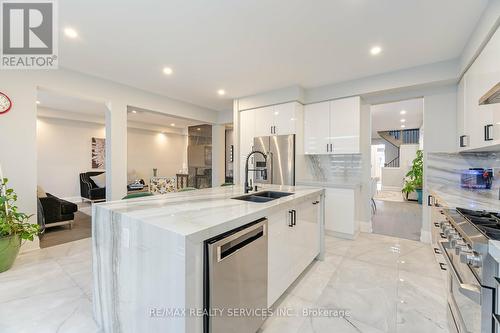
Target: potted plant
[414, 178]
[14, 227]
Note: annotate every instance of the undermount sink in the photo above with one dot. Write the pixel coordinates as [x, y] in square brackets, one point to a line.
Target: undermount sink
[265, 196]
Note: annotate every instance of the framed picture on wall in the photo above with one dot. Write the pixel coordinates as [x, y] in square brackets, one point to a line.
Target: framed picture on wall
[98, 153]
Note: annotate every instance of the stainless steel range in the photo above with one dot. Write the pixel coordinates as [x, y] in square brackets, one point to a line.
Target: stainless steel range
[471, 283]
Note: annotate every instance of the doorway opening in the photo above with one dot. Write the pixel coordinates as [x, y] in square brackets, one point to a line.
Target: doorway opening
[166, 153]
[71, 168]
[396, 138]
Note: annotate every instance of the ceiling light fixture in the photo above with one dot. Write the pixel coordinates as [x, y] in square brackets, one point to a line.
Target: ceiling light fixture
[167, 71]
[402, 120]
[198, 129]
[37, 102]
[134, 111]
[403, 126]
[221, 92]
[172, 124]
[70, 32]
[403, 112]
[375, 50]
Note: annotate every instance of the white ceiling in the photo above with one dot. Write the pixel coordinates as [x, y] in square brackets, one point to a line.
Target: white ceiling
[387, 116]
[247, 47]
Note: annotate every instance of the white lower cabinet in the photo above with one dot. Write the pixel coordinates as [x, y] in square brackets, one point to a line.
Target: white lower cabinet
[293, 245]
[340, 212]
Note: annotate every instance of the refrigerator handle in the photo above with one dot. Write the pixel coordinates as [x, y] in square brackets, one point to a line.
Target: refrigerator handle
[270, 167]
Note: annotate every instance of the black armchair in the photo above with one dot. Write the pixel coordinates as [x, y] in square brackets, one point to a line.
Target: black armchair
[88, 189]
[57, 211]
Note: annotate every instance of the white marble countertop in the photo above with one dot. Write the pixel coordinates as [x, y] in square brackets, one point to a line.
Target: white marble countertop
[336, 183]
[201, 214]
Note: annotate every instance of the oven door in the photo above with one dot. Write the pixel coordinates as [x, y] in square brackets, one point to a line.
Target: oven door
[464, 294]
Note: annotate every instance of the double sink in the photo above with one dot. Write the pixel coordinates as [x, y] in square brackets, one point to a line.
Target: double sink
[264, 196]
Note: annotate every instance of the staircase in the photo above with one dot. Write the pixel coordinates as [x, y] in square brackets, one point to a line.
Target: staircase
[398, 138]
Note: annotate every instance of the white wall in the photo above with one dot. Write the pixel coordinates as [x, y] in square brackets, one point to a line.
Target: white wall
[392, 178]
[64, 151]
[148, 149]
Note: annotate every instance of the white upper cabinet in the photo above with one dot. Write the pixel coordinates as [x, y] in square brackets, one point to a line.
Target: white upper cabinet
[332, 127]
[317, 128]
[286, 117]
[281, 119]
[478, 124]
[264, 120]
[345, 125]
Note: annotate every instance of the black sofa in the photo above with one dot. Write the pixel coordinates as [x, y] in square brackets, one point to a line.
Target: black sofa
[88, 189]
[56, 211]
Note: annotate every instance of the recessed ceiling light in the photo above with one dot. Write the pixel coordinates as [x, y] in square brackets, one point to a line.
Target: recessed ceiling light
[375, 50]
[198, 129]
[221, 92]
[403, 126]
[134, 111]
[172, 124]
[70, 32]
[403, 112]
[37, 102]
[403, 120]
[167, 70]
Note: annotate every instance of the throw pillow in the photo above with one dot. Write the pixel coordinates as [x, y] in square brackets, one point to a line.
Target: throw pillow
[40, 192]
[99, 180]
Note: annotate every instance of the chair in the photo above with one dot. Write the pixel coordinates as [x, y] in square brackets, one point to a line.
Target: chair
[89, 190]
[137, 195]
[56, 211]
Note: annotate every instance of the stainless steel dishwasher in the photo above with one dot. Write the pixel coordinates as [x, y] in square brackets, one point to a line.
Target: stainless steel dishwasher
[235, 281]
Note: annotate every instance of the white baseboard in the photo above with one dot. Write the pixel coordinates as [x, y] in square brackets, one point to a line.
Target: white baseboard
[365, 226]
[341, 234]
[425, 236]
[391, 188]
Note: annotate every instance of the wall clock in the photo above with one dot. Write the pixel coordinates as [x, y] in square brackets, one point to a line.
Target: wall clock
[5, 103]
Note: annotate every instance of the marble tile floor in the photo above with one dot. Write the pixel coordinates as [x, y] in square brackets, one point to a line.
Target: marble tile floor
[384, 284]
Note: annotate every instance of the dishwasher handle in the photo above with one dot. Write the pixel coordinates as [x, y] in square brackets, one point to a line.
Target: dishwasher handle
[234, 242]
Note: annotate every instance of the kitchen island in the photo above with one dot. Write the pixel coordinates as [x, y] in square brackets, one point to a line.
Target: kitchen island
[148, 253]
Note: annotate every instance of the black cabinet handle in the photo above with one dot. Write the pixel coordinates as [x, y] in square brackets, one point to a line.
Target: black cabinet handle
[315, 202]
[462, 141]
[294, 214]
[436, 225]
[442, 266]
[429, 197]
[487, 131]
[290, 224]
[442, 235]
[437, 251]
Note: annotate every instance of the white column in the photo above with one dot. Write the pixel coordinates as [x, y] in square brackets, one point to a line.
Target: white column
[218, 154]
[236, 143]
[116, 151]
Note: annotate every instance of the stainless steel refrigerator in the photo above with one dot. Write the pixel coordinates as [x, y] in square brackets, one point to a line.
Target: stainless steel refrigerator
[280, 166]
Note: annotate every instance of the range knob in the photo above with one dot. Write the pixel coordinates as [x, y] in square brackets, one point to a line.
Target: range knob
[456, 242]
[469, 257]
